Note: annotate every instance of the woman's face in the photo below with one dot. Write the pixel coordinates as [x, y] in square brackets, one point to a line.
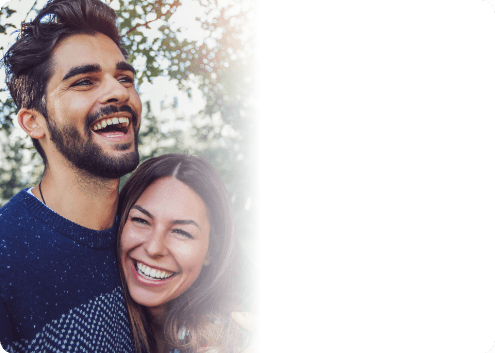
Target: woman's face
[164, 242]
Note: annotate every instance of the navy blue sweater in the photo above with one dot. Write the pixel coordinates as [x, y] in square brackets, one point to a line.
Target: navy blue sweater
[59, 283]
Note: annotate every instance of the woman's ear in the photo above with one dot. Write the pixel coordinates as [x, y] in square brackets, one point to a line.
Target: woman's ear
[32, 122]
[207, 259]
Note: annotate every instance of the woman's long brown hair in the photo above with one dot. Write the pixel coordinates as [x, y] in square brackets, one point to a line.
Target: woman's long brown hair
[204, 309]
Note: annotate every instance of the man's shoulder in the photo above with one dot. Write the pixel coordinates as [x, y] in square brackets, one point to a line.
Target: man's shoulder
[16, 220]
[17, 201]
[16, 212]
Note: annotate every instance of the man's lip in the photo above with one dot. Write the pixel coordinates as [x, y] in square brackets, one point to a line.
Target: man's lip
[119, 138]
[113, 115]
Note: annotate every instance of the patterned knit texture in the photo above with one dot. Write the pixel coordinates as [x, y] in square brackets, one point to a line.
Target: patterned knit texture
[59, 284]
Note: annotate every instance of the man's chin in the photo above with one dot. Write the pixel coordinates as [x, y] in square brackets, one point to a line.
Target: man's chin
[128, 146]
[103, 160]
[110, 167]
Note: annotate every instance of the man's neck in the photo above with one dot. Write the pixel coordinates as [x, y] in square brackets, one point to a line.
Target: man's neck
[83, 199]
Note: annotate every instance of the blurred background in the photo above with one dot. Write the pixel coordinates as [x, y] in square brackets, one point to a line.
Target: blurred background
[375, 146]
[195, 77]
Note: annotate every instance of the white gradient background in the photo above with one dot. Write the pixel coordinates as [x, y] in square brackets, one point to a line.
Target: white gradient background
[377, 176]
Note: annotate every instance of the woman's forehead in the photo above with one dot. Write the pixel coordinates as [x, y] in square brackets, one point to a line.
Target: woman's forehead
[170, 196]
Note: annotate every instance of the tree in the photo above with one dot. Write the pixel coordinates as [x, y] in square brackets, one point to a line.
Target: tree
[218, 64]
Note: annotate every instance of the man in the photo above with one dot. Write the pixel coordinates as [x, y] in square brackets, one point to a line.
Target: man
[59, 284]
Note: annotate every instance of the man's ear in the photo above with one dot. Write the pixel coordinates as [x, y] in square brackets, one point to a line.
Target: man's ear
[207, 260]
[32, 121]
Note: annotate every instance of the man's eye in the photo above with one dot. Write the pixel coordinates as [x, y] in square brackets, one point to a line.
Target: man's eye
[83, 82]
[139, 220]
[126, 79]
[183, 233]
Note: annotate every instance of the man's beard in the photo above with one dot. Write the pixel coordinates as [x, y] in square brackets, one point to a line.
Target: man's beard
[86, 155]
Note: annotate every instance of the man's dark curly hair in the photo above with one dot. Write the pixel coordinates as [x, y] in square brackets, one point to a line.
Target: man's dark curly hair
[29, 62]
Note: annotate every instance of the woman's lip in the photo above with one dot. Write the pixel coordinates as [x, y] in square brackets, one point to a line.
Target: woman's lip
[148, 282]
[152, 266]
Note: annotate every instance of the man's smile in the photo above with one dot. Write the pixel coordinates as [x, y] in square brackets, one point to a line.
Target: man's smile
[113, 122]
[116, 122]
[116, 125]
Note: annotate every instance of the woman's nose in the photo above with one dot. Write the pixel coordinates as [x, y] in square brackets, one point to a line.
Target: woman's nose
[156, 246]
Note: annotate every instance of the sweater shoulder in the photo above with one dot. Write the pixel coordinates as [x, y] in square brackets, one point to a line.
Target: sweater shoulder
[16, 203]
[25, 214]
[23, 200]
[16, 216]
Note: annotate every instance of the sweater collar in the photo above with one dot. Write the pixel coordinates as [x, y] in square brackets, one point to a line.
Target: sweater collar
[91, 238]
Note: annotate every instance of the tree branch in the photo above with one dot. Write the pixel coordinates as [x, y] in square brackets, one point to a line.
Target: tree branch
[31, 9]
[175, 4]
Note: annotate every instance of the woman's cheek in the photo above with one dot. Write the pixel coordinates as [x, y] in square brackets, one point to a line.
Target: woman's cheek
[191, 254]
[129, 238]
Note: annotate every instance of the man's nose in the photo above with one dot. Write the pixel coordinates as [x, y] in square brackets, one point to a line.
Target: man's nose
[114, 92]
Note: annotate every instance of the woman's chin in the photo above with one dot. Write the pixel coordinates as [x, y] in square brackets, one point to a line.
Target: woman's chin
[145, 298]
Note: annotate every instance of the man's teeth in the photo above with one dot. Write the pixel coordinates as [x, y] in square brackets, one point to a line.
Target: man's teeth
[152, 273]
[110, 121]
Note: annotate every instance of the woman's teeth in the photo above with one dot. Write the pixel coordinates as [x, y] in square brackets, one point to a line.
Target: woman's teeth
[152, 273]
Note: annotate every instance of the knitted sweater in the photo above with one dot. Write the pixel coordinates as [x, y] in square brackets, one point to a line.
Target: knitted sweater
[59, 283]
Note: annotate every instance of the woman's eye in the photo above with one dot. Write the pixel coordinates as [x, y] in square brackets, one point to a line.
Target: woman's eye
[139, 220]
[183, 233]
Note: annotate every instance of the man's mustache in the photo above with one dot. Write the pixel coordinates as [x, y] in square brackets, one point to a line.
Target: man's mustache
[111, 109]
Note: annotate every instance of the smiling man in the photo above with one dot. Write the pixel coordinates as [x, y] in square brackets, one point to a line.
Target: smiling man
[59, 283]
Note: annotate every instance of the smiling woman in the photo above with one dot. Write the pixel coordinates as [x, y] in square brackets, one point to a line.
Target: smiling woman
[164, 243]
[177, 254]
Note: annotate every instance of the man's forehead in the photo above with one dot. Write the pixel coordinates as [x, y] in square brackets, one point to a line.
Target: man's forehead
[85, 49]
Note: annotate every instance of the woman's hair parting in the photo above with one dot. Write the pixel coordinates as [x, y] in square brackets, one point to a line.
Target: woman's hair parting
[203, 310]
[29, 62]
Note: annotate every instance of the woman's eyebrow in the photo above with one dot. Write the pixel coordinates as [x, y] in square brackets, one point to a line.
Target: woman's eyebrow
[139, 208]
[184, 221]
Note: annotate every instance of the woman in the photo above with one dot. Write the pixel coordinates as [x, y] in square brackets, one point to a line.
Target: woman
[176, 248]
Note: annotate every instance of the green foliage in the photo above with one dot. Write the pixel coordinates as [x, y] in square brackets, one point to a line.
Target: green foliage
[219, 65]
[7, 111]
[6, 13]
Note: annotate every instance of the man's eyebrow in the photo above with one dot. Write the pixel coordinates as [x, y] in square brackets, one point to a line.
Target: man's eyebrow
[183, 221]
[137, 207]
[123, 66]
[83, 69]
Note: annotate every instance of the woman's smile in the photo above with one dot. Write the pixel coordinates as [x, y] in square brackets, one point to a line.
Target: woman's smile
[149, 276]
[152, 273]
[164, 242]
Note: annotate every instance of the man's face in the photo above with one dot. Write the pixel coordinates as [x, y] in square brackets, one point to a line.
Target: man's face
[93, 107]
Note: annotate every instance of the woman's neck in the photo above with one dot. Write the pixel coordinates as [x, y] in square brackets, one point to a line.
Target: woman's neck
[157, 313]
[158, 317]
